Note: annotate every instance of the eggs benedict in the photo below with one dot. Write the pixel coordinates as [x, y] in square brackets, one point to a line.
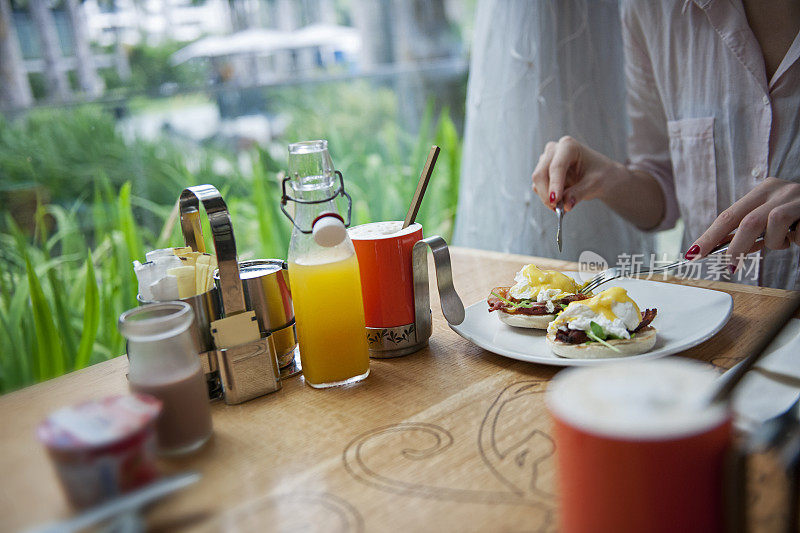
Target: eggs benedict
[535, 299]
[609, 324]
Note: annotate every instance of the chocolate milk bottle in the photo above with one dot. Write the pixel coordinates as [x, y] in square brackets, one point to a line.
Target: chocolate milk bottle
[164, 363]
[185, 420]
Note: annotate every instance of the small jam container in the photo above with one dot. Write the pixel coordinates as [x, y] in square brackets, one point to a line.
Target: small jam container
[103, 448]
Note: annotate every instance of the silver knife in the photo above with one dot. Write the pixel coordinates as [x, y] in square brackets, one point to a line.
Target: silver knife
[120, 505]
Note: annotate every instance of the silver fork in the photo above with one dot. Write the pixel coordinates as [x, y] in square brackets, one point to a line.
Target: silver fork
[560, 214]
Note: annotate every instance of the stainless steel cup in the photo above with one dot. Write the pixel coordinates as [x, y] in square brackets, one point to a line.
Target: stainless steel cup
[266, 291]
[206, 309]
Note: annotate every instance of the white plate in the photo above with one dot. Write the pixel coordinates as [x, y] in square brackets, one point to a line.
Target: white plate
[686, 317]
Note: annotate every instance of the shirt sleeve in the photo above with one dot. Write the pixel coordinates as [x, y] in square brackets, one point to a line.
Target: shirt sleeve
[648, 141]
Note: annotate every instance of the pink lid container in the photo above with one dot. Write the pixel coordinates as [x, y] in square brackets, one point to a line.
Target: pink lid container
[102, 448]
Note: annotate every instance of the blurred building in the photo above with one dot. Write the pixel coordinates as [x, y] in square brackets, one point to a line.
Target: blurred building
[155, 21]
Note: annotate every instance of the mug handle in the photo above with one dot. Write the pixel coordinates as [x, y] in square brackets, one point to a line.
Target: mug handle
[452, 306]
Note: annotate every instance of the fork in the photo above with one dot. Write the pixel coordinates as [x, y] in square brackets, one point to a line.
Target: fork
[560, 214]
[616, 272]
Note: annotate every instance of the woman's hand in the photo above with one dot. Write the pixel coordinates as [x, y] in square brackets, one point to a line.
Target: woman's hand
[569, 171]
[770, 208]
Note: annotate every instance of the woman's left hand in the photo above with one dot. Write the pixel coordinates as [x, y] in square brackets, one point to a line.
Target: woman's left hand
[770, 208]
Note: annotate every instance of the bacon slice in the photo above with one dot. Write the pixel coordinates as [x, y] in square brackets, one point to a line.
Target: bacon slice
[577, 336]
[573, 298]
[647, 317]
[540, 308]
[572, 336]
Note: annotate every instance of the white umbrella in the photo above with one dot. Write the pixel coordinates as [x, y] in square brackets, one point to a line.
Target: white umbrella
[342, 38]
[253, 41]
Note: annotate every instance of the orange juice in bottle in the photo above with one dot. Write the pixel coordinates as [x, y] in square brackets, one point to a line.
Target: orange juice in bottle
[323, 272]
[328, 293]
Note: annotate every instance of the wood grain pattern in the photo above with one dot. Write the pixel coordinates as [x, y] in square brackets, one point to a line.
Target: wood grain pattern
[451, 438]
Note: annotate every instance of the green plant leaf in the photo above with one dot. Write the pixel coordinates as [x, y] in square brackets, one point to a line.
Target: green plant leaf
[91, 316]
[127, 225]
[49, 353]
[595, 338]
[597, 330]
[274, 241]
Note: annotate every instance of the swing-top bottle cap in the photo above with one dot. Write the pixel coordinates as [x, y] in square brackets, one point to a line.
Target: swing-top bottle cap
[328, 229]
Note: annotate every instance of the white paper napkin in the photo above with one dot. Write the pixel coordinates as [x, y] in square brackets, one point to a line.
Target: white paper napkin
[783, 354]
[774, 382]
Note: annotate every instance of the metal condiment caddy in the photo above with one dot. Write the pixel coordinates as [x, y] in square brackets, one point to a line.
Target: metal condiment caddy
[243, 359]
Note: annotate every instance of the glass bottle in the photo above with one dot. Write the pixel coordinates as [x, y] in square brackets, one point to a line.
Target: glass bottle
[164, 363]
[323, 272]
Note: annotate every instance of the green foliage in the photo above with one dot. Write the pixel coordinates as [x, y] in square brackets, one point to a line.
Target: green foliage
[380, 161]
[66, 277]
[38, 87]
[91, 316]
[65, 149]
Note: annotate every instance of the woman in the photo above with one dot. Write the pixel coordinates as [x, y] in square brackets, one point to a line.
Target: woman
[713, 97]
[539, 70]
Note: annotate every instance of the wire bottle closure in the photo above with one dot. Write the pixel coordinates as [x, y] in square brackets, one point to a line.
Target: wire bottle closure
[285, 198]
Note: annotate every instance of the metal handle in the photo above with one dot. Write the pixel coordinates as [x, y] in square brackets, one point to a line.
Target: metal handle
[231, 291]
[285, 198]
[452, 306]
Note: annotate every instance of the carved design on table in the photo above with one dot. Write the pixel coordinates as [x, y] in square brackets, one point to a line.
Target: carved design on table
[514, 453]
[516, 463]
[294, 511]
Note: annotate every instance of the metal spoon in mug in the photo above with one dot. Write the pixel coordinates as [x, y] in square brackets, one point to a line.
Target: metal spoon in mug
[560, 214]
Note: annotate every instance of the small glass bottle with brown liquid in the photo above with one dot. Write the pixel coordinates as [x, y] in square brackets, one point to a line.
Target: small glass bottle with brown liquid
[164, 363]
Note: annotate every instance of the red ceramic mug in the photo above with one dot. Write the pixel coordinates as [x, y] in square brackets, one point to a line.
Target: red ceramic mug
[384, 261]
[638, 449]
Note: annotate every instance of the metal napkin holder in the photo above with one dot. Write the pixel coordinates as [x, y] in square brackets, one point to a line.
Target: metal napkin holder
[402, 340]
[244, 359]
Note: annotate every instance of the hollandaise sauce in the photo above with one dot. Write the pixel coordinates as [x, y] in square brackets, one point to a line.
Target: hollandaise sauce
[603, 303]
[531, 280]
[330, 321]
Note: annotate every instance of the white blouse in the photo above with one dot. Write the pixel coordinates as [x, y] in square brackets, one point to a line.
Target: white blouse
[705, 121]
[540, 70]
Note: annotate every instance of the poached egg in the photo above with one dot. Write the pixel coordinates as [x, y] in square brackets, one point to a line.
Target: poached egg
[533, 283]
[613, 310]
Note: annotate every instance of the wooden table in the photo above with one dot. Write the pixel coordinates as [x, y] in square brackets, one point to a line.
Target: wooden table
[452, 438]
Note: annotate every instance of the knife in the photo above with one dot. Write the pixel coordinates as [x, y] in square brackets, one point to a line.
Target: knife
[127, 503]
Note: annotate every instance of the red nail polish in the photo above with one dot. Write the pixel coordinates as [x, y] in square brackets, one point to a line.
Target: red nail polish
[692, 253]
[731, 269]
[571, 203]
[552, 197]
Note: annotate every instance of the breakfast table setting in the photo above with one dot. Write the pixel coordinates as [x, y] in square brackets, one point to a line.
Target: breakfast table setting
[368, 383]
[450, 438]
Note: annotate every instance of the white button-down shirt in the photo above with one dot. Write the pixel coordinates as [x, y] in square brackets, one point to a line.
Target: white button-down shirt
[705, 121]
